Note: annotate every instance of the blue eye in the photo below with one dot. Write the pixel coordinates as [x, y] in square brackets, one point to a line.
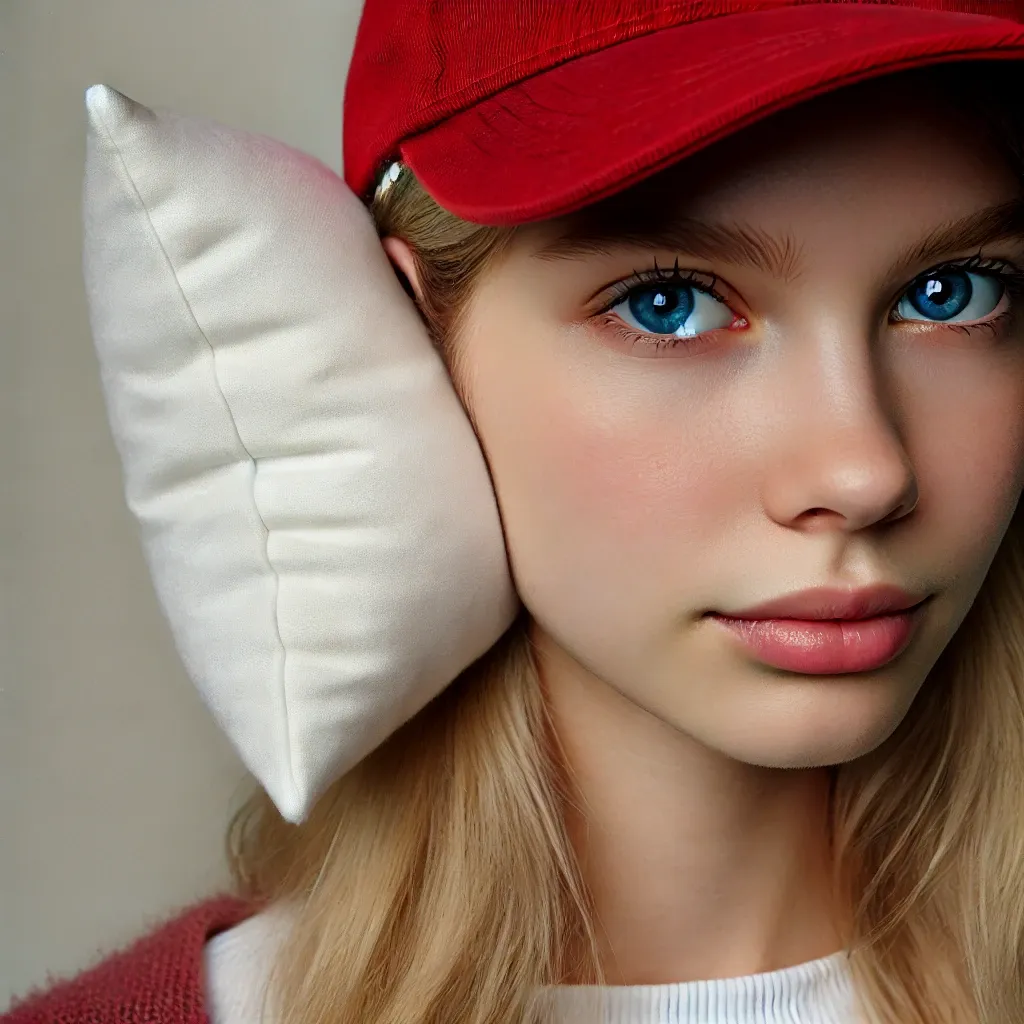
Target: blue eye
[951, 296]
[677, 309]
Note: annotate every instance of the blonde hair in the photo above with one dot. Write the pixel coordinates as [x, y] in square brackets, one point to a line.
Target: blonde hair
[435, 882]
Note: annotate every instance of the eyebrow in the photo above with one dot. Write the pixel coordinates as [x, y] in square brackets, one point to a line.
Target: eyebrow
[743, 245]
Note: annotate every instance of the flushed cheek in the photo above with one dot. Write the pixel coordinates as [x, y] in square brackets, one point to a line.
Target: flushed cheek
[967, 435]
[611, 512]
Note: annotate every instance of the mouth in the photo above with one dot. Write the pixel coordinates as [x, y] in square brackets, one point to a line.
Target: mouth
[819, 646]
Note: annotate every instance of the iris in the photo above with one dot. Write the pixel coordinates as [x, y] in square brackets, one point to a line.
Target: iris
[663, 310]
[942, 296]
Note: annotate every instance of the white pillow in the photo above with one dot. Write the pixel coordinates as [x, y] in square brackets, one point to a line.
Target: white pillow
[316, 512]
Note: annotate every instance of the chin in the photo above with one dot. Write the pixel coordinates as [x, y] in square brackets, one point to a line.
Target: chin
[818, 729]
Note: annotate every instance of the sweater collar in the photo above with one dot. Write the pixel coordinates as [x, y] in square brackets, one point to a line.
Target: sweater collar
[817, 992]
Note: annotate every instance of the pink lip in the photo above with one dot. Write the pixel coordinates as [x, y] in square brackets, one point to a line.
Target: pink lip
[815, 647]
[833, 603]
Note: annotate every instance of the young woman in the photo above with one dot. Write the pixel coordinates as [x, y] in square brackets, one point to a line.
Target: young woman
[794, 360]
[755, 422]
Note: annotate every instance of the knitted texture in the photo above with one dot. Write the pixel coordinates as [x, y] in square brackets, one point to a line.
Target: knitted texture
[158, 979]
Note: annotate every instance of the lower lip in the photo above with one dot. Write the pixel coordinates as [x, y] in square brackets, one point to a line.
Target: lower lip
[825, 647]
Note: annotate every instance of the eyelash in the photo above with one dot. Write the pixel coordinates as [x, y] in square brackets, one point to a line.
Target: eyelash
[700, 280]
[1005, 273]
[1008, 276]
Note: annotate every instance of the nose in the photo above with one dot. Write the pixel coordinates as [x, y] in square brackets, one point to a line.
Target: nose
[838, 461]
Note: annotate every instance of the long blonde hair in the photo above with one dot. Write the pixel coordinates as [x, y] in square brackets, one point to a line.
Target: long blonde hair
[435, 882]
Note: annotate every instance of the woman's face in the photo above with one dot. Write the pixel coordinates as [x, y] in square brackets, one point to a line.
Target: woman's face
[824, 387]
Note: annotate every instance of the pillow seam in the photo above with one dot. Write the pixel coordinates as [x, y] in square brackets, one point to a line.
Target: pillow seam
[255, 462]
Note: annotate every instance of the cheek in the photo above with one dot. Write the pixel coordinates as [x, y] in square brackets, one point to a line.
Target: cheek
[966, 424]
[611, 490]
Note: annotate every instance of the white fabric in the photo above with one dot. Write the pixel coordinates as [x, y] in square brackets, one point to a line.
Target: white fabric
[314, 507]
[238, 961]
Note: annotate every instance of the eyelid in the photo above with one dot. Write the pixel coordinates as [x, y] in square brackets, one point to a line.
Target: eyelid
[992, 265]
[703, 280]
[1003, 270]
[972, 261]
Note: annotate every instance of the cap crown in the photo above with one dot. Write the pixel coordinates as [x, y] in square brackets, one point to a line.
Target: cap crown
[417, 62]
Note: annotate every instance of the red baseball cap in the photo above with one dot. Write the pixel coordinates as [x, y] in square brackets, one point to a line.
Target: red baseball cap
[510, 111]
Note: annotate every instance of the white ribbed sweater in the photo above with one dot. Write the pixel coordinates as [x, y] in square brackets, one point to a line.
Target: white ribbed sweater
[817, 992]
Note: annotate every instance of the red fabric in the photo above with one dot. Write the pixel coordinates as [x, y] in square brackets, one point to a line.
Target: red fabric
[517, 111]
[156, 980]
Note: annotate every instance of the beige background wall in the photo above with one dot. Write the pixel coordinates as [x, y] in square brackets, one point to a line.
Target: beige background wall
[115, 787]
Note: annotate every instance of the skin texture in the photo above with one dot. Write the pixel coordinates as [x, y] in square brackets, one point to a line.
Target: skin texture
[817, 443]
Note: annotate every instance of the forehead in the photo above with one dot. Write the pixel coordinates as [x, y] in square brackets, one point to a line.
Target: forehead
[939, 157]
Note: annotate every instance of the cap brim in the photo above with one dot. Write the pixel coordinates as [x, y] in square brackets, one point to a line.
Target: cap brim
[597, 124]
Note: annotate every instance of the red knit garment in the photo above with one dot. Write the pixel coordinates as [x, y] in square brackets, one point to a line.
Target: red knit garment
[158, 979]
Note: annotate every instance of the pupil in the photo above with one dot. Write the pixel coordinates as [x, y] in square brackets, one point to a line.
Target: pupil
[661, 310]
[941, 298]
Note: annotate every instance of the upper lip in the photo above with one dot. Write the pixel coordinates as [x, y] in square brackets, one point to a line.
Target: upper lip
[832, 603]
